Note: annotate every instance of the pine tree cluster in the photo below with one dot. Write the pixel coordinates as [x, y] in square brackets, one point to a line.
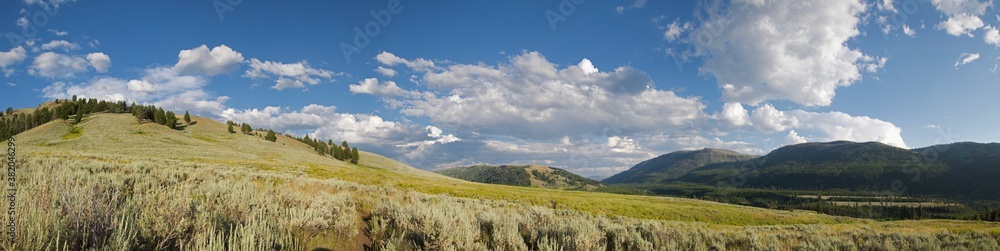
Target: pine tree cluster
[342, 152]
[13, 123]
[157, 115]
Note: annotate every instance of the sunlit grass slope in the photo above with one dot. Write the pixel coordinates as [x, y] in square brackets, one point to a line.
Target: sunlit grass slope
[207, 141]
[113, 184]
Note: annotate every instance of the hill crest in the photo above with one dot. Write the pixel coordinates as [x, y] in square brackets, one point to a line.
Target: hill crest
[674, 165]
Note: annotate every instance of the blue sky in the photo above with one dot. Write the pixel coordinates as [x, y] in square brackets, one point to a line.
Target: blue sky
[594, 87]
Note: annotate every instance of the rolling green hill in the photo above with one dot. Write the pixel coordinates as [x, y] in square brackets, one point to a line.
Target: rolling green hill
[817, 166]
[107, 137]
[869, 180]
[975, 169]
[109, 183]
[522, 175]
[674, 165]
[956, 171]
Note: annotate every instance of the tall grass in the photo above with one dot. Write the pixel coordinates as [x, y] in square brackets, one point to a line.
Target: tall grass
[104, 202]
[129, 204]
[436, 222]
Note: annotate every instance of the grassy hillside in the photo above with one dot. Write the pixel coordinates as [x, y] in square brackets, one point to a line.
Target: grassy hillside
[870, 180]
[974, 170]
[817, 166]
[112, 184]
[522, 175]
[674, 165]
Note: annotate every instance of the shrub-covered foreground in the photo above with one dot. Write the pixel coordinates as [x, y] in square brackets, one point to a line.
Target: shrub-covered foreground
[111, 203]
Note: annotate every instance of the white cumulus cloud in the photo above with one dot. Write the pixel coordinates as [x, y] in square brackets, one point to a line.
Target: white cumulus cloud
[886, 5]
[9, 58]
[201, 60]
[734, 114]
[60, 44]
[826, 126]
[621, 144]
[794, 138]
[289, 75]
[992, 36]
[675, 29]
[587, 67]
[963, 16]
[908, 31]
[58, 32]
[532, 98]
[386, 71]
[768, 119]
[55, 65]
[390, 59]
[137, 85]
[372, 86]
[325, 123]
[159, 86]
[966, 58]
[961, 24]
[99, 61]
[771, 50]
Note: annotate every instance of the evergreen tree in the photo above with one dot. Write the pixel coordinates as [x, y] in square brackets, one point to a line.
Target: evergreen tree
[322, 149]
[270, 136]
[187, 117]
[62, 114]
[84, 106]
[74, 98]
[354, 156]
[139, 113]
[246, 129]
[150, 113]
[160, 116]
[343, 153]
[337, 153]
[10, 110]
[346, 147]
[171, 120]
[231, 129]
[79, 116]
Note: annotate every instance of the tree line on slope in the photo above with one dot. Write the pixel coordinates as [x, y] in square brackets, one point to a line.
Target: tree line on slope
[342, 152]
[504, 175]
[73, 110]
[157, 115]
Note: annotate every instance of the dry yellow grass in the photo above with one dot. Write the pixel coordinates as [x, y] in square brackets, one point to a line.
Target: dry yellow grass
[203, 188]
[208, 142]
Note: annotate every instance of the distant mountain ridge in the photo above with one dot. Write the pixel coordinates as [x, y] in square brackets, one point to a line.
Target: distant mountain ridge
[522, 175]
[974, 173]
[830, 165]
[962, 170]
[674, 165]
